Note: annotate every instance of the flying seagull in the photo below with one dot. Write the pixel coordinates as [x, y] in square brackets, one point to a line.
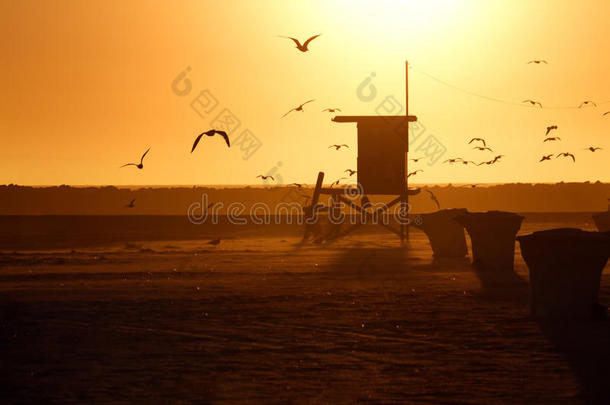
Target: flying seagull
[593, 148]
[482, 148]
[337, 147]
[138, 165]
[566, 154]
[587, 102]
[606, 113]
[211, 132]
[549, 129]
[478, 139]
[538, 61]
[131, 204]
[416, 159]
[414, 173]
[332, 110]
[497, 158]
[454, 160]
[350, 171]
[545, 157]
[465, 162]
[433, 198]
[336, 183]
[552, 138]
[265, 177]
[532, 102]
[302, 47]
[299, 108]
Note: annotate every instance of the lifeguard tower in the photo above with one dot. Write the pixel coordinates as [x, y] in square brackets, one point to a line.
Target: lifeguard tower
[383, 145]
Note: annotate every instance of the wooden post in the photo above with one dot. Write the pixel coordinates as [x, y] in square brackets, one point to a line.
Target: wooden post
[405, 186]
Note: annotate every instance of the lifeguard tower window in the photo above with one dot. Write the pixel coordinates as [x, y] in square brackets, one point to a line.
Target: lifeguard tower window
[383, 143]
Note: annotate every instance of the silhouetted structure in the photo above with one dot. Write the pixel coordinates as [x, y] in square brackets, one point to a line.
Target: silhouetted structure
[446, 235]
[493, 238]
[565, 268]
[383, 144]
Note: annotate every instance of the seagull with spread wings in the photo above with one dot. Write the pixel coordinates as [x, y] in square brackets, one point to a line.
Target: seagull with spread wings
[454, 160]
[552, 138]
[331, 110]
[414, 173]
[416, 159]
[538, 61]
[211, 132]
[533, 102]
[261, 176]
[566, 154]
[337, 147]
[138, 165]
[299, 108]
[301, 47]
[482, 148]
[587, 102]
[549, 129]
[350, 171]
[593, 148]
[545, 157]
[479, 140]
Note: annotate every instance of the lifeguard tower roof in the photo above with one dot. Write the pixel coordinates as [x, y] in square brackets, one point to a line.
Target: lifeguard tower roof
[373, 119]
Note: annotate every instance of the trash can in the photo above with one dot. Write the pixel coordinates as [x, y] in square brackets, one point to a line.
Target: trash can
[446, 235]
[602, 221]
[492, 235]
[565, 267]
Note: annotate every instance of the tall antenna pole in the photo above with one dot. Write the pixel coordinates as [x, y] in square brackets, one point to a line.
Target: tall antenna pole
[407, 87]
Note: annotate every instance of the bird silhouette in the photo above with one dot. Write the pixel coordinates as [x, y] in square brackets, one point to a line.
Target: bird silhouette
[552, 138]
[131, 204]
[416, 159]
[538, 61]
[211, 132]
[532, 102]
[496, 158]
[587, 102]
[336, 183]
[566, 154]
[414, 173]
[433, 198]
[549, 129]
[332, 110]
[606, 113]
[489, 162]
[301, 47]
[593, 148]
[545, 157]
[337, 147]
[453, 160]
[299, 108]
[214, 242]
[138, 165]
[350, 171]
[482, 148]
[479, 140]
[466, 162]
[265, 177]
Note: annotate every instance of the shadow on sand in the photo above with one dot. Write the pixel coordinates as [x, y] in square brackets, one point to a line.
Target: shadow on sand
[585, 345]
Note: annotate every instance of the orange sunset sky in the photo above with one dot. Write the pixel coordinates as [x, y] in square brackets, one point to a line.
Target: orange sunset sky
[87, 86]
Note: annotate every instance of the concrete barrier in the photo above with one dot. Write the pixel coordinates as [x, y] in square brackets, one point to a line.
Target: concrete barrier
[492, 235]
[446, 235]
[565, 267]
